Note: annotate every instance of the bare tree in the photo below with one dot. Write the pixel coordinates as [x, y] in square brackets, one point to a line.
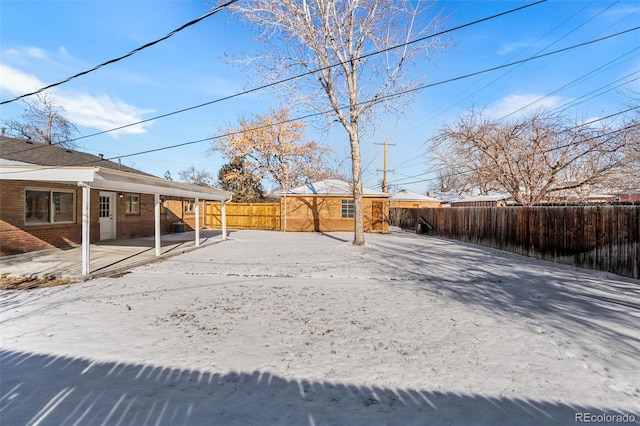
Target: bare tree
[330, 38]
[197, 177]
[530, 158]
[625, 179]
[43, 121]
[273, 147]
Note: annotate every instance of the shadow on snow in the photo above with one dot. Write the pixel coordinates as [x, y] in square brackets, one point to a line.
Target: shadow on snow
[58, 390]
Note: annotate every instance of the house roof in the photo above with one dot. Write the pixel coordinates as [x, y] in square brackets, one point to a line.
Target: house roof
[332, 187]
[23, 151]
[404, 195]
[22, 160]
[446, 197]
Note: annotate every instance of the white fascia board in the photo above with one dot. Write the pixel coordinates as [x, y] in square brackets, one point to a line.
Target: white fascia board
[113, 180]
[123, 181]
[48, 174]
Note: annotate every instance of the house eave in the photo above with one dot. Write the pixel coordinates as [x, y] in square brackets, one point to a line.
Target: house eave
[113, 180]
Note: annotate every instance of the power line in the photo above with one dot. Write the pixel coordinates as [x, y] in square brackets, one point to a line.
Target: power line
[631, 126]
[442, 111]
[312, 72]
[581, 99]
[392, 95]
[134, 51]
[573, 102]
[265, 86]
[421, 87]
[571, 83]
[288, 121]
[397, 94]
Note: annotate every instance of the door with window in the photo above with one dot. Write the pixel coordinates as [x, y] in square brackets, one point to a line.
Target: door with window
[107, 213]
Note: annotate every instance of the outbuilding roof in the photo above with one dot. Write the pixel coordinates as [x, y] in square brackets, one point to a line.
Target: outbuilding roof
[334, 187]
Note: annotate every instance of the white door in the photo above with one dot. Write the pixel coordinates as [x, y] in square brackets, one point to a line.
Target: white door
[107, 211]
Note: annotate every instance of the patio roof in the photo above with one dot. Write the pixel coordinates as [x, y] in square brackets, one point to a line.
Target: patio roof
[113, 180]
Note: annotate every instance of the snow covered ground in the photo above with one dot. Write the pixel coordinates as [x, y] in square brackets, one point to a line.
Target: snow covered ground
[303, 328]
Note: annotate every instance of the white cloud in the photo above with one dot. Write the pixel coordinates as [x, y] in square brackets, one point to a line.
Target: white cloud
[28, 52]
[36, 53]
[510, 47]
[622, 11]
[16, 82]
[103, 113]
[518, 105]
[99, 112]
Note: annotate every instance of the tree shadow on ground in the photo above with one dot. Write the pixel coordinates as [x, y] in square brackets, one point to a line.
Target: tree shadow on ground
[58, 390]
[604, 308]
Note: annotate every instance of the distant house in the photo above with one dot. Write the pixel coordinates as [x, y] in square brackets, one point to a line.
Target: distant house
[496, 200]
[328, 205]
[412, 200]
[57, 197]
[622, 185]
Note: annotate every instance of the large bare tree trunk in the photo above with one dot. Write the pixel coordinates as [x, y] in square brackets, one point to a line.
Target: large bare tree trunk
[356, 170]
[336, 43]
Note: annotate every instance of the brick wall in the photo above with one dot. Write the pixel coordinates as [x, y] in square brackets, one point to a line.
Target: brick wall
[324, 214]
[176, 214]
[18, 237]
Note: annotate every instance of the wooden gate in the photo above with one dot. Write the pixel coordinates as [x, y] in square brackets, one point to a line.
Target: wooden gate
[244, 216]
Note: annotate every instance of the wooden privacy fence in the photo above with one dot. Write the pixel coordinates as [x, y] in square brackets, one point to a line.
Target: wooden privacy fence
[605, 238]
[244, 215]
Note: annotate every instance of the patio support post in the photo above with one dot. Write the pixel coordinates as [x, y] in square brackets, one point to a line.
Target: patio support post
[197, 224]
[156, 198]
[86, 228]
[224, 219]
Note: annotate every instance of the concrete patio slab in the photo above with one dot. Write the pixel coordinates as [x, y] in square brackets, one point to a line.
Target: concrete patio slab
[108, 258]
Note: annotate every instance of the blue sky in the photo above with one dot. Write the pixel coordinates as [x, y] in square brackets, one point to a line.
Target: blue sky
[42, 42]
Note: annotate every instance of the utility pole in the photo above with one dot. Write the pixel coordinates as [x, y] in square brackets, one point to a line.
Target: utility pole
[384, 165]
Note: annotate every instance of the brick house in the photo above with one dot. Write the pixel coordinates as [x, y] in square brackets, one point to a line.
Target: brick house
[56, 197]
[328, 205]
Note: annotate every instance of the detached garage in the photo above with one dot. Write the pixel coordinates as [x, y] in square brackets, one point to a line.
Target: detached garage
[328, 205]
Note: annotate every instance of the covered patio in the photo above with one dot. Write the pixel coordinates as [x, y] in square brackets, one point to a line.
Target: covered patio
[104, 179]
[108, 258]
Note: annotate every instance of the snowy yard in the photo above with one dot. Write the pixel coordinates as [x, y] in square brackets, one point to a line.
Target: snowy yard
[302, 328]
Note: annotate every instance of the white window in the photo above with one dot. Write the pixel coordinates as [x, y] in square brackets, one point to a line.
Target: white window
[133, 203]
[49, 206]
[348, 209]
[104, 209]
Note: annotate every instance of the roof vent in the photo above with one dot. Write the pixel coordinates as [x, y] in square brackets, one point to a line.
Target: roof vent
[101, 156]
